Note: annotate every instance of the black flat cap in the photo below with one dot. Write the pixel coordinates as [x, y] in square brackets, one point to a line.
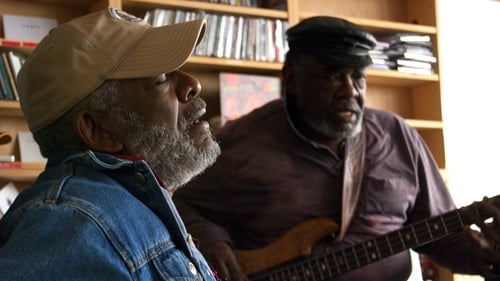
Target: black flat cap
[335, 40]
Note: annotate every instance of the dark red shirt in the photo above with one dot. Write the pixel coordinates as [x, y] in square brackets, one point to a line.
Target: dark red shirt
[270, 178]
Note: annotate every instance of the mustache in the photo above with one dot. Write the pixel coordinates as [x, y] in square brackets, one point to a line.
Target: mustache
[196, 105]
[345, 104]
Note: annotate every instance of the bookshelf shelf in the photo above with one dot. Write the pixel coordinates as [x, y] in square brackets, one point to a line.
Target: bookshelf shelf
[375, 76]
[415, 97]
[27, 173]
[385, 26]
[220, 64]
[142, 5]
[10, 109]
[396, 78]
[425, 124]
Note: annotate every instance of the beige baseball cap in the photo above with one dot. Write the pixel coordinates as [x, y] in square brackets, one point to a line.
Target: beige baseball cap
[78, 56]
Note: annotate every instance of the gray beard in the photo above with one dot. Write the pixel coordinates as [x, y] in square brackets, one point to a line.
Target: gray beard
[172, 156]
[326, 130]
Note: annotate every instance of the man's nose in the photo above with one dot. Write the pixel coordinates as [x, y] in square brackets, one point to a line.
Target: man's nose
[188, 87]
[347, 87]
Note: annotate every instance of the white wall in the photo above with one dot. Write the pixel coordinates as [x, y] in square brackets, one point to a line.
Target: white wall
[469, 60]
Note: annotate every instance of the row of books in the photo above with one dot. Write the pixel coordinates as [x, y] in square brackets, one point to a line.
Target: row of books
[409, 53]
[10, 64]
[245, 3]
[271, 4]
[231, 36]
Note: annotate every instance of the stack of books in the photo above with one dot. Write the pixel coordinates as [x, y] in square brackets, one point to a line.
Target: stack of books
[406, 52]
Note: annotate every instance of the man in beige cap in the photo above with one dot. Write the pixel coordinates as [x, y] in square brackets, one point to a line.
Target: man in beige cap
[119, 124]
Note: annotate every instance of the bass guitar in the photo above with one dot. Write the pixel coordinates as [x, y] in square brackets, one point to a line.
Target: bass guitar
[274, 262]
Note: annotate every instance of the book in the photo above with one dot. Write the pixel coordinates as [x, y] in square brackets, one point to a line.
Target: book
[242, 93]
[236, 52]
[10, 74]
[11, 165]
[16, 61]
[413, 63]
[27, 28]
[23, 165]
[8, 194]
[7, 158]
[28, 148]
[5, 86]
[413, 70]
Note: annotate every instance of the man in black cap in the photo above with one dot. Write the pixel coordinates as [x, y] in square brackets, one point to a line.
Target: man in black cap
[320, 153]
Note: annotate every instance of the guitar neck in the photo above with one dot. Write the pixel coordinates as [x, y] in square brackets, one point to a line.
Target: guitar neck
[339, 262]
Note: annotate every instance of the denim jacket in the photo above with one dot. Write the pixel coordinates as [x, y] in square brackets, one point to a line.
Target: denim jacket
[97, 217]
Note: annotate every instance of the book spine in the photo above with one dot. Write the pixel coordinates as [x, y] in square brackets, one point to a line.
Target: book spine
[11, 165]
[7, 158]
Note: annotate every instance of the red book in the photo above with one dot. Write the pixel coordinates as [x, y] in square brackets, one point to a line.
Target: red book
[11, 165]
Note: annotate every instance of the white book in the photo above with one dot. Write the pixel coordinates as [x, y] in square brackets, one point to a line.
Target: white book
[413, 70]
[236, 52]
[213, 23]
[221, 36]
[8, 194]
[416, 64]
[158, 17]
[29, 149]
[420, 57]
[228, 39]
[27, 28]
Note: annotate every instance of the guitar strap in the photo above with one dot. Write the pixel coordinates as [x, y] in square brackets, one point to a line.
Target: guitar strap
[352, 178]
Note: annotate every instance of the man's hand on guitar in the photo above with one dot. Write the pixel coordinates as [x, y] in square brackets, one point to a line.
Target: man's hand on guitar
[488, 238]
[221, 257]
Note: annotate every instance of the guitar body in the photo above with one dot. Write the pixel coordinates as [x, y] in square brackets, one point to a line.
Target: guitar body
[297, 242]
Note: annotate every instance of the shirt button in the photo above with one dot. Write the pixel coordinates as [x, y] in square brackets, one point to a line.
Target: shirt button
[192, 269]
[140, 179]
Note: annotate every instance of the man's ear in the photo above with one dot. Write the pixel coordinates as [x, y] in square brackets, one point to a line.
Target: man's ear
[97, 132]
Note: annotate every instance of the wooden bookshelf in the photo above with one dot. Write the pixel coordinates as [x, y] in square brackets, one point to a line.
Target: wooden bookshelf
[415, 97]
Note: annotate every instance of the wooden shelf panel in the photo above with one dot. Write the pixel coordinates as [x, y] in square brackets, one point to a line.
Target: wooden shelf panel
[396, 78]
[27, 173]
[220, 64]
[374, 25]
[425, 124]
[375, 76]
[10, 109]
[203, 6]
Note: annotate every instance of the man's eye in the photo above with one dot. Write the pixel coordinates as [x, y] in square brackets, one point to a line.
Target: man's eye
[329, 76]
[358, 76]
[161, 79]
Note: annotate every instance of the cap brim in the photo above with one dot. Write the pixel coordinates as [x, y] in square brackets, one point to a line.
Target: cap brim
[162, 49]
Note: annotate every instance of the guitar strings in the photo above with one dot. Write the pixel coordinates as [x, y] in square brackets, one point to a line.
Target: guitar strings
[352, 257]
